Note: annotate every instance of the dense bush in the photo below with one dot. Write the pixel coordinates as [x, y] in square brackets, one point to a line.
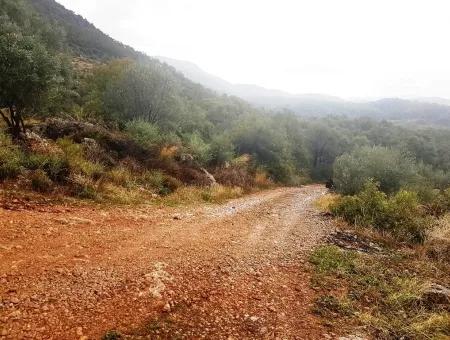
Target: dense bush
[56, 166]
[400, 214]
[391, 168]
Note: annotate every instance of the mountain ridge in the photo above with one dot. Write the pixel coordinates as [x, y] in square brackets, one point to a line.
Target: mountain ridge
[420, 111]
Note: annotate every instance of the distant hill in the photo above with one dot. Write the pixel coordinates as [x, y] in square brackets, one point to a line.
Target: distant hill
[420, 111]
[83, 38]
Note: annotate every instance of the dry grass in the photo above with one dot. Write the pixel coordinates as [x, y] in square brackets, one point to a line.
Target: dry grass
[120, 176]
[168, 152]
[220, 193]
[120, 195]
[262, 180]
[442, 230]
[324, 202]
[191, 194]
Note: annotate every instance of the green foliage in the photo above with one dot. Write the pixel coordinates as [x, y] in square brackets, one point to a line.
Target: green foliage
[56, 166]
[198, 148]
[331, 259]
[390, 167]
[40, 181]
[145, 133]
[221, 150]
[74, 156]
[400, 214]
[125, 90]
[10, 158]
[158, 182]
[145, 92]
[29, 70]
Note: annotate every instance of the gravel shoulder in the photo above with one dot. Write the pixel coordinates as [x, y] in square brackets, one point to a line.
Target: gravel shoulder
[232, 271]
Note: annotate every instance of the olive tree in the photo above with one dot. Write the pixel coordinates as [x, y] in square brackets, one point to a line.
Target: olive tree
[144, 92]
[27, 72]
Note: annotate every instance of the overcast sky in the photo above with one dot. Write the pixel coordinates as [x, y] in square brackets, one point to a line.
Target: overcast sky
[348, 48]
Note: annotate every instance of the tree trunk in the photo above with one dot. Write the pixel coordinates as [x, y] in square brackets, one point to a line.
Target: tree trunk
[15, 122]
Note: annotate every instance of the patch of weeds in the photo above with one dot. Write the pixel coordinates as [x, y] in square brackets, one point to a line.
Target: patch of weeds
[40, 181]
[220, 193]
[329, 306]
[380, 291]
[325, 202]
[332, 260]
[10, 158]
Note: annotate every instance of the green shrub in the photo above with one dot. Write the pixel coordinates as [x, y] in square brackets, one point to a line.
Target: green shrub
[389, 167]
[366, 209]
[74, 156]
[400, 214]
[198, 148]
[156, 180]
[144, 133]
[83, 187]
[330, 259]
[222, 150]
[40, 181]
[10, 158]
[56, 167]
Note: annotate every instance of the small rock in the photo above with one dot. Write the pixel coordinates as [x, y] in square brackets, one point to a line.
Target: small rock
[177, 217]
[167, 308]
[80, 331]
[254, 318]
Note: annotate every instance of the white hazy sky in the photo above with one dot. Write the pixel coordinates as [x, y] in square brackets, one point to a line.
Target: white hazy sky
[348, 48]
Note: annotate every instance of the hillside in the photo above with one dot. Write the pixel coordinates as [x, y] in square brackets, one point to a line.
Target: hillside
[82, 37]
[415, 112]
[85, 40]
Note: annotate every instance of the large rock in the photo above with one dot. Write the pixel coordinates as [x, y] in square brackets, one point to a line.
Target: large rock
[435, 294]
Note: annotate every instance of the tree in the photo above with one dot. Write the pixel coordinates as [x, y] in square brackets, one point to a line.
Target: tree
[325, 145]
[143, 92]
[27, 72]
[389, 167]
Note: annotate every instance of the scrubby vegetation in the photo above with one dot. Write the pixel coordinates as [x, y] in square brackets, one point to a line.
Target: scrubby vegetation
[102, 120]
[380, 272]
[382, 294]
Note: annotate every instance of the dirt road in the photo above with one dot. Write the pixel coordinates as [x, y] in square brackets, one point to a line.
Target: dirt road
[229, 271]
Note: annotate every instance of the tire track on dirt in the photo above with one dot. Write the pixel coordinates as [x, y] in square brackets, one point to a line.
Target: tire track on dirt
[233, 270]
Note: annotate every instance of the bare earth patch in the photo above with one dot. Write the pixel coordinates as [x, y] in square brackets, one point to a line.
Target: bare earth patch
[237, 270]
